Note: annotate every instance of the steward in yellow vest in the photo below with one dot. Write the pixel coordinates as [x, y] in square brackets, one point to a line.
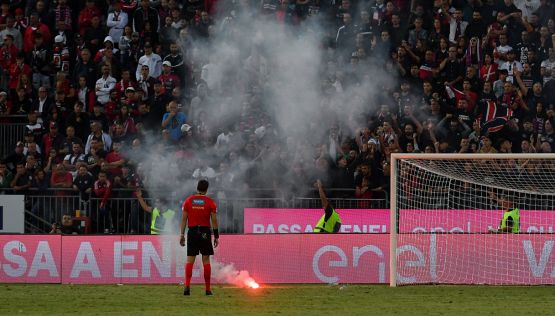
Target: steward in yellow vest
[510, 223]
[161, 217]
[330, 222]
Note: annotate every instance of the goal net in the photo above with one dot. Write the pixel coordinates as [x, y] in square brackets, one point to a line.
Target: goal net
[472, 219]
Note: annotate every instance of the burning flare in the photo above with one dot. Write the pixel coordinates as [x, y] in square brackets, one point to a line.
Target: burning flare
[228, 274]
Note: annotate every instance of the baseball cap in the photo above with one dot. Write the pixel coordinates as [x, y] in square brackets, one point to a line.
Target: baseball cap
[167, 63]
[130, 89]
[148, 45]
[18, 11]
[3, 93]
[20, 144]
[108, 39]
[59, 39]
[53, 125]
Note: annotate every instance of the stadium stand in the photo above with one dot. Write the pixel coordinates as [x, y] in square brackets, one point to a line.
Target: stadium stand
[102, 85]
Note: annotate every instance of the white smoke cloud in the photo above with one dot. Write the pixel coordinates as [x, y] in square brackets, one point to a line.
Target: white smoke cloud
[277, 91]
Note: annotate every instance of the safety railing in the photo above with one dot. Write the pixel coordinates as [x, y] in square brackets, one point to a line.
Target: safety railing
[124, 215]
[12, 130]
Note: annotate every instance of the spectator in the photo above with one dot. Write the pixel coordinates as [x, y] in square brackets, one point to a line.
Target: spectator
[86, 16]
[109, 59]
[70, 160]
[85, 68]
[125, 46]
[67, 226]
[204, 171]
[418, 33]
[104, 85]
[115, 159]
[173, 120]
[117, 20]
[61, 179]
[15, 157]
[103, 191]
[145, 14]
[22, 179]
[14, 32]
[548, 65]
[124, 83]
[43, 103]
[486, 146]
[40, 63]
[150, 59]
[35, 27]
[511, 65]
[94, 35]
[79, 120]
[8, 54]
[476, 27]
[108, 46]
[98, 134]
[6, 177]
[69, 140]
[99, 116]
[63, 13]
[126, 120]
[176, 60]
[167, 78]
[146, 82]
[83, 183]
[52, 139]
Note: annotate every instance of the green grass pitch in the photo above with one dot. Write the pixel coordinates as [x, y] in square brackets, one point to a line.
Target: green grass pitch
[166, 300]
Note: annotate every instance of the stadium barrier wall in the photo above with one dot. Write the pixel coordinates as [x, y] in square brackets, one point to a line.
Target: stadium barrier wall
[277, 258]
[12, 214]
[283, 221]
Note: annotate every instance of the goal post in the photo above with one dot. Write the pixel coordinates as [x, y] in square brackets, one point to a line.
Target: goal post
[472, 219]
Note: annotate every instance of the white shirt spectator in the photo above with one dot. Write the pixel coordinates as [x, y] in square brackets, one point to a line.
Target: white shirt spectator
[117, 22]
[154, 63]
[222, 140]
[527, 6]
[549, 66]
[106, 140]
[104, 85]
[17, 38]
[453, 29]
[72, 159]
[504, 49]
[204, 173]
[510, 66]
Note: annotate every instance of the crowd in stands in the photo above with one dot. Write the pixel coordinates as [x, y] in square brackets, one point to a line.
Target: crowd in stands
[93, 79]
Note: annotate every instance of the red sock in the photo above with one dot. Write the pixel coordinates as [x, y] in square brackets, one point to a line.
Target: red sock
[188, 274]
[207, 274]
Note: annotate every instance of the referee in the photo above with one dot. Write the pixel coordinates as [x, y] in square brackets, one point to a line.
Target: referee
[198, 211]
